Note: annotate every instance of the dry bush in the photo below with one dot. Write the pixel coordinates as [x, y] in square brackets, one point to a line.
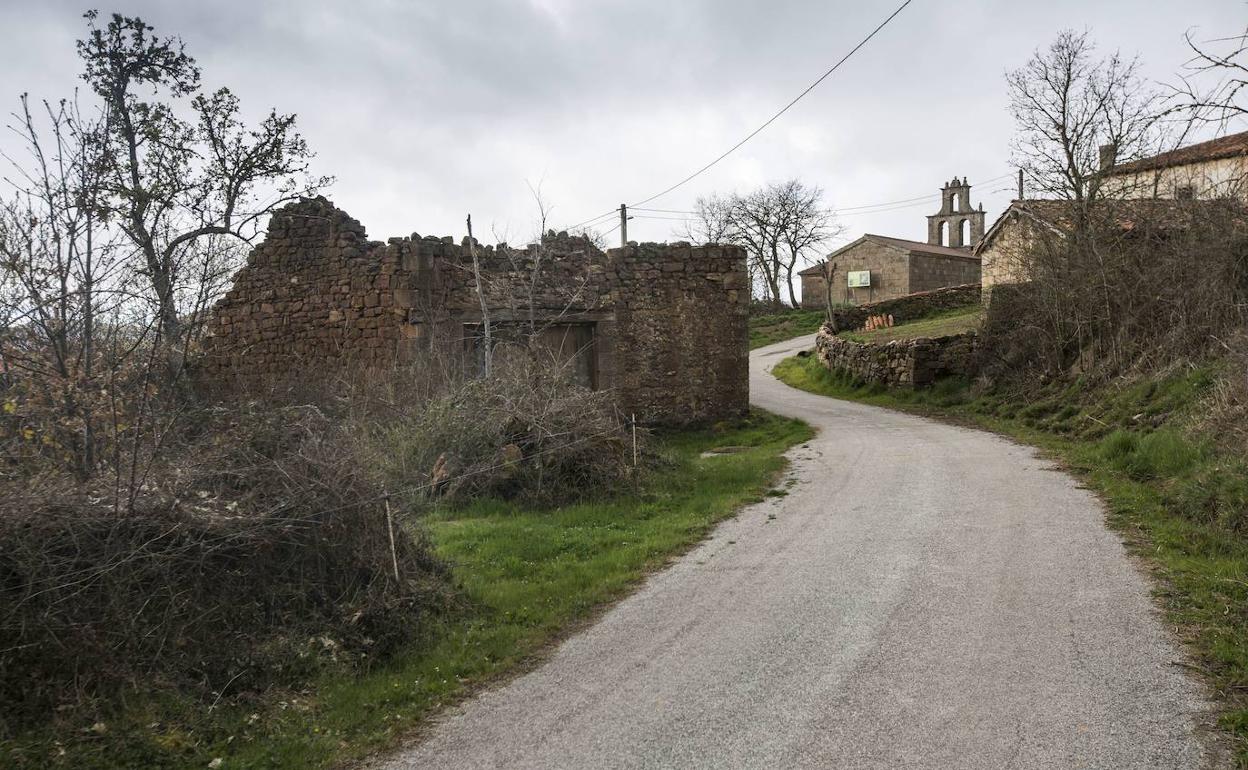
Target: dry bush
[1227, 416]
[257, 540]
[1126, 285]
[526, 433]
[254, 548]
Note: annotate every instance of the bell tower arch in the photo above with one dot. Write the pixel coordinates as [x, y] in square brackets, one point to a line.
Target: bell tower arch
[958, 224]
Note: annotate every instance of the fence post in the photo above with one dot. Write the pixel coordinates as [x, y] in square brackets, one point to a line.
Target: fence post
[394, 554]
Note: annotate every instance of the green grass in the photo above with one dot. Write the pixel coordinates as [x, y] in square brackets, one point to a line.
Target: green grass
[528, 578]
[778, 327]
[939, 325]
[1180, 502]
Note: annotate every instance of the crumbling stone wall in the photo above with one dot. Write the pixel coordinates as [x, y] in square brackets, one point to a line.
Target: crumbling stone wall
[915, 363]
[668, 320]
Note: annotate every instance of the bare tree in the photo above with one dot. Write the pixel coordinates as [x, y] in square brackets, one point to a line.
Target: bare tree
[711, 221]
[755, 221]
[1067, 105]
[805, 224]
[829, 275]
[1209, 91]
[59, 265]
[779, 225]
[172, 181]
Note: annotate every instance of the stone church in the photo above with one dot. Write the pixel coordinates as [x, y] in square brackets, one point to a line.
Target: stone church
[878, 267]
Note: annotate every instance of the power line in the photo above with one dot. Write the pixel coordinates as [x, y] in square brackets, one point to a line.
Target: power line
[783, 110]
[886, 210]
[664, 211]
[594, 219]
[849, 210]
[921, 198]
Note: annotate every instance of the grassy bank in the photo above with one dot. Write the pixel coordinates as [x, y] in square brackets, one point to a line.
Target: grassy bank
[778, 327]
[1180, 501]
[527, 578]
[957, 321]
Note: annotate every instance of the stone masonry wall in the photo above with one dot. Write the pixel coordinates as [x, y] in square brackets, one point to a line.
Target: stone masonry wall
[670, 337]
[930, 273]
[915, 363]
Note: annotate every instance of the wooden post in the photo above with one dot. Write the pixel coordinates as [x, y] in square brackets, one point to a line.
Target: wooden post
[634, 443]
[1020, 184]
[623, 225]
[394, 554]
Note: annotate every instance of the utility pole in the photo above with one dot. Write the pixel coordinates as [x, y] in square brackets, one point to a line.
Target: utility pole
[623, 225]
[1020, 184]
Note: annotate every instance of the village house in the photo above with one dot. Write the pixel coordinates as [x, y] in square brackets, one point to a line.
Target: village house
[1148, 190]
[877, 267]
[1204, 171]
[660, 326]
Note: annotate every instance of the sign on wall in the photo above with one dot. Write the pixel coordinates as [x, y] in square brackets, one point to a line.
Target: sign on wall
[859, 279]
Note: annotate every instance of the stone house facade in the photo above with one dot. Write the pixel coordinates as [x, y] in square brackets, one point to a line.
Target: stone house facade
[1032, 229]
[898, 266]
[1149, 189]
[1203, 171]
[661, 326]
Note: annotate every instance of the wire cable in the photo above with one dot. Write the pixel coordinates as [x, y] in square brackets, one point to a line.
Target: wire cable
[593, 219]
[783, 109]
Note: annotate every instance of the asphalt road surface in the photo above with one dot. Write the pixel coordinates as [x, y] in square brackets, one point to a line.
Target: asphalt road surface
[926, 596]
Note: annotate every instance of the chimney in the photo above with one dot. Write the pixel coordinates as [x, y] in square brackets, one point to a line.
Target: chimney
[1109, 156]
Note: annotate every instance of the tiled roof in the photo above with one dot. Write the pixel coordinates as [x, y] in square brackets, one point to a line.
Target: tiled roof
[1231, 146]
[926, 248]
[914, 247]
[1127, 213]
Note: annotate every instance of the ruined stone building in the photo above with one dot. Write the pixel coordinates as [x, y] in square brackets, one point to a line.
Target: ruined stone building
[878, 267]
[661, 326]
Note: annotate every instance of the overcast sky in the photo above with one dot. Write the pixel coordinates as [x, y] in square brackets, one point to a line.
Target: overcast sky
[425, 111]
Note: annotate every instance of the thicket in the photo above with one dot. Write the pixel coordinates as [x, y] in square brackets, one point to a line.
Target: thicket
[1121, 286]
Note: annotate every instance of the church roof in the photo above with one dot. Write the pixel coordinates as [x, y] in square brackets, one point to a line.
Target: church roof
[902, 244]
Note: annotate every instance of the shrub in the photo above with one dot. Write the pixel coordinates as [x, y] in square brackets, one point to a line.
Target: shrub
[255, 548]
[526, 433]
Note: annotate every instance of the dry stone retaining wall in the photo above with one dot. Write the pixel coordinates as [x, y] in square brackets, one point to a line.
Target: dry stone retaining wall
[915, 363]
[668, 320]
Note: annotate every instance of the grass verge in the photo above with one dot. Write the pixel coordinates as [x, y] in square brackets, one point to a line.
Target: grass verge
[957, 321]
[528, 578]
[778, 327]
[1180, 502]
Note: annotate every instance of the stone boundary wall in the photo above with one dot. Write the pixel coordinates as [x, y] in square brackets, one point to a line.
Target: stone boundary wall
[910, 307]
[915, 363]
[669, 320]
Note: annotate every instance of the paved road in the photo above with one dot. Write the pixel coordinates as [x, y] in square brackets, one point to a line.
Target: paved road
[926, 596]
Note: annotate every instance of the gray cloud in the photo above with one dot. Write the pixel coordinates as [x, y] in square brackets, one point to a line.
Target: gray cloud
[426, 111]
